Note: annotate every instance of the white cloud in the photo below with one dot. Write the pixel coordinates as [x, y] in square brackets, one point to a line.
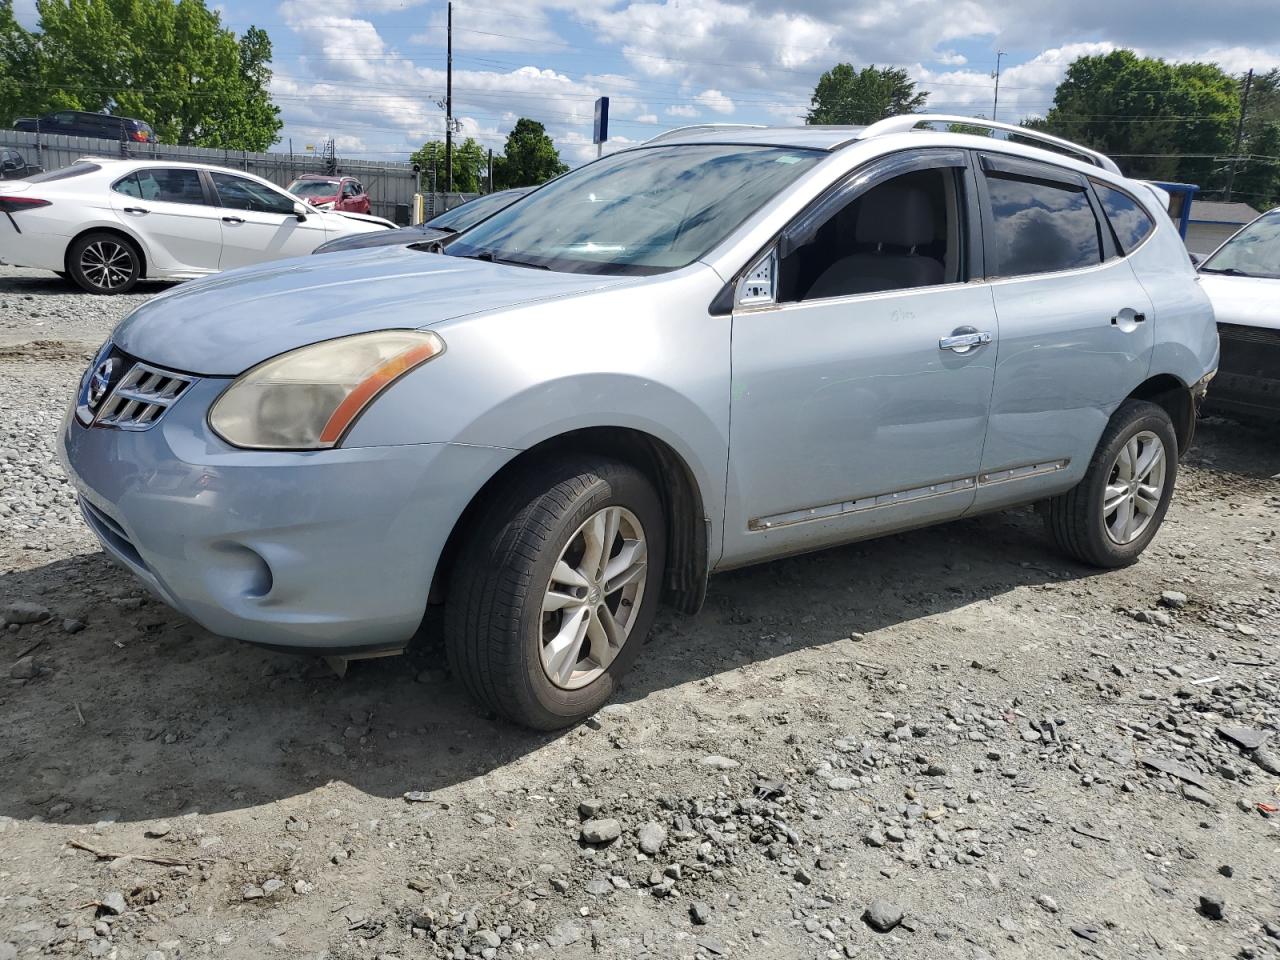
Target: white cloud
[647, 118]
[682, 111]
[716, 101]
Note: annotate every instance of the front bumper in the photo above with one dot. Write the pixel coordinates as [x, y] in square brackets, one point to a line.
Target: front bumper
[330, 551]
[1248, 380]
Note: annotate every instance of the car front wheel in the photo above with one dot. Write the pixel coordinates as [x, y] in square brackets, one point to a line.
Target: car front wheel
[1108, 519]
[104, 263]
[556, 589]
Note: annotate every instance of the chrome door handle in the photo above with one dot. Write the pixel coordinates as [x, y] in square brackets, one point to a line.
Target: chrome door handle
[964, 342]
[140, 211]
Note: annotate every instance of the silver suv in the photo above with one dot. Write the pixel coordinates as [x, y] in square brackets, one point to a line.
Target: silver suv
[726, 345]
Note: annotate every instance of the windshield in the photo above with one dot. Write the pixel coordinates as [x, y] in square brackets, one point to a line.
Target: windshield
[1253, 252]
[639, 212]
[473, 211]
[311, 189]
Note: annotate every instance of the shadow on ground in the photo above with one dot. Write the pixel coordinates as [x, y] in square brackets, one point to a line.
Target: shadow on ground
[144, 715]
[50, 284]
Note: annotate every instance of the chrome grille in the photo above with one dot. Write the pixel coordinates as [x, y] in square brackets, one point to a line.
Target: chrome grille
[141, 397]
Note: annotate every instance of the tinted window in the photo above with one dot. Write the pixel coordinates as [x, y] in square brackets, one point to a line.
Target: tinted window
[66, 173]
[169, 185]
[313, 189]
[128, 186]
[898, 235]
[349, 189]
[1040, 227]
[242, 194]
[1129, 221]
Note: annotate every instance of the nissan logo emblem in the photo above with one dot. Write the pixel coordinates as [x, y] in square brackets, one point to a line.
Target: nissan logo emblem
[99, 381]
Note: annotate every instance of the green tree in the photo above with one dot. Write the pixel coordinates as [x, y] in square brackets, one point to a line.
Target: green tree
[1156, 115]
[19, 66]
[844, 95]
[530, 158]
[1257, 180]
[470, 165]
[168, 62]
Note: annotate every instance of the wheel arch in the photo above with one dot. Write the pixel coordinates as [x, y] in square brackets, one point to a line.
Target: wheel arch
[1168, 391]
[117, 231]
[688, 527]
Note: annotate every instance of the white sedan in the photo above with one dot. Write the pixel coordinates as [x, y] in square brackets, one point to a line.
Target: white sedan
[108, 223]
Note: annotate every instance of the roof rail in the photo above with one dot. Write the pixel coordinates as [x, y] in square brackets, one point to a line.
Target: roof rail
[910, 121]
[699, 127]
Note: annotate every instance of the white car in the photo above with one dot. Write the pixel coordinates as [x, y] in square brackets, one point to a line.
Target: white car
[1242, 279]
[106, 224]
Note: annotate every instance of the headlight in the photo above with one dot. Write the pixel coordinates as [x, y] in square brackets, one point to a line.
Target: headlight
[306, 399]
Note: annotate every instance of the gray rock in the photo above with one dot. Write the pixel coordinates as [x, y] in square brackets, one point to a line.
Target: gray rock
[157, 830]
[1196, 795]
[272, 886]
[8, 951]
[842, 783]
[564, 935]
[720, 763]
[114, 903]
[590, 808]
[652, 837]
[1173, 599]
[486, 938]
[1213, 906]
[1268, 761]
[598, 887]
[22, 611]
[1047, 902]
[72, 626]
[882, 916]
[251, 892]
[23, 669]
[700, 911]
[1246, 738]
[601, 831]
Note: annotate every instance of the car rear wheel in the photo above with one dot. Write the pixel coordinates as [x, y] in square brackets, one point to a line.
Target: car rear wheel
[104, 263]
[1108, 519]
[556, 590]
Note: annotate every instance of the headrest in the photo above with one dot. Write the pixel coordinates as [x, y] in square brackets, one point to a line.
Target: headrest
[897, 216]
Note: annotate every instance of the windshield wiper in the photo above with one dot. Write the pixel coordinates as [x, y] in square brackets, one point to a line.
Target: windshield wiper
[1227, 271]
[489, 257]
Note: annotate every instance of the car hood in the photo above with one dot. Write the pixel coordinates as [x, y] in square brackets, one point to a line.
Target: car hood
[1248, 301]
[225, 324]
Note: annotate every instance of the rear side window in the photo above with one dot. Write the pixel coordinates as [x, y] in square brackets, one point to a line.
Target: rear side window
[165, 185]
[66, 173]
[1040, 227]
[1131, 223]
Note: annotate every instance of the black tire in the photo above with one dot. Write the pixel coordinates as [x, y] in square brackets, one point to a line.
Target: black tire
[494, 611]
[1075, 519]
[123, 255]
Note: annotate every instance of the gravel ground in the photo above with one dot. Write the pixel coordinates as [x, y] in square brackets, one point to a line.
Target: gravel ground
[953, 743]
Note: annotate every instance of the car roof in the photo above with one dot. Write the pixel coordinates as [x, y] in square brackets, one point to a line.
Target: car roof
[324, 176]
[832, 138]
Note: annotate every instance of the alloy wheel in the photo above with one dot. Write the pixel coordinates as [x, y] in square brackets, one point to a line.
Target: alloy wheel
[106, 264]
[593, 597]
[1135, 487]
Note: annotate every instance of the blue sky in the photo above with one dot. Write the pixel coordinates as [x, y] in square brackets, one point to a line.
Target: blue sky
[369, 72]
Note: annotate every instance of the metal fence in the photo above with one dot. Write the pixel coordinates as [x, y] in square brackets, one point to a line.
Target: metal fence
[391, 184]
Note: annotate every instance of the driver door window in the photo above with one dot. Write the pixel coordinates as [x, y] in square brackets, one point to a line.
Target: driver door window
[901, 234]
[240, 193]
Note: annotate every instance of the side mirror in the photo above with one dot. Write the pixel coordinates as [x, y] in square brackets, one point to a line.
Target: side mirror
[300, 210]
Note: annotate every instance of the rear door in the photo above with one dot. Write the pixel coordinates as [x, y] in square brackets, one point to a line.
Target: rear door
[259, 223]
[170, 210]
[1076, 327]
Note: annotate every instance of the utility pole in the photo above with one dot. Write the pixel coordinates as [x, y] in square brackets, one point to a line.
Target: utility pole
[995, 101]
[1244, 108]
[448, 107]
[490, 170]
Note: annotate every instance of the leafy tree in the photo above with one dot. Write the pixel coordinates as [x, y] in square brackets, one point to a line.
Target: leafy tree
[1257, 180]
[1121, 103]
[470, 165]
[530, 158]
[19, 67]
[844, 95]
[168, 62]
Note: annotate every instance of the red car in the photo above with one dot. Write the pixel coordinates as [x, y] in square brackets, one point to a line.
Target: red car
[331, 193]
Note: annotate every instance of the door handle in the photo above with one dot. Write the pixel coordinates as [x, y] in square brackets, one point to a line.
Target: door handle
[1134, 316]
[964, 342]
[140, 211]
[233, 220]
